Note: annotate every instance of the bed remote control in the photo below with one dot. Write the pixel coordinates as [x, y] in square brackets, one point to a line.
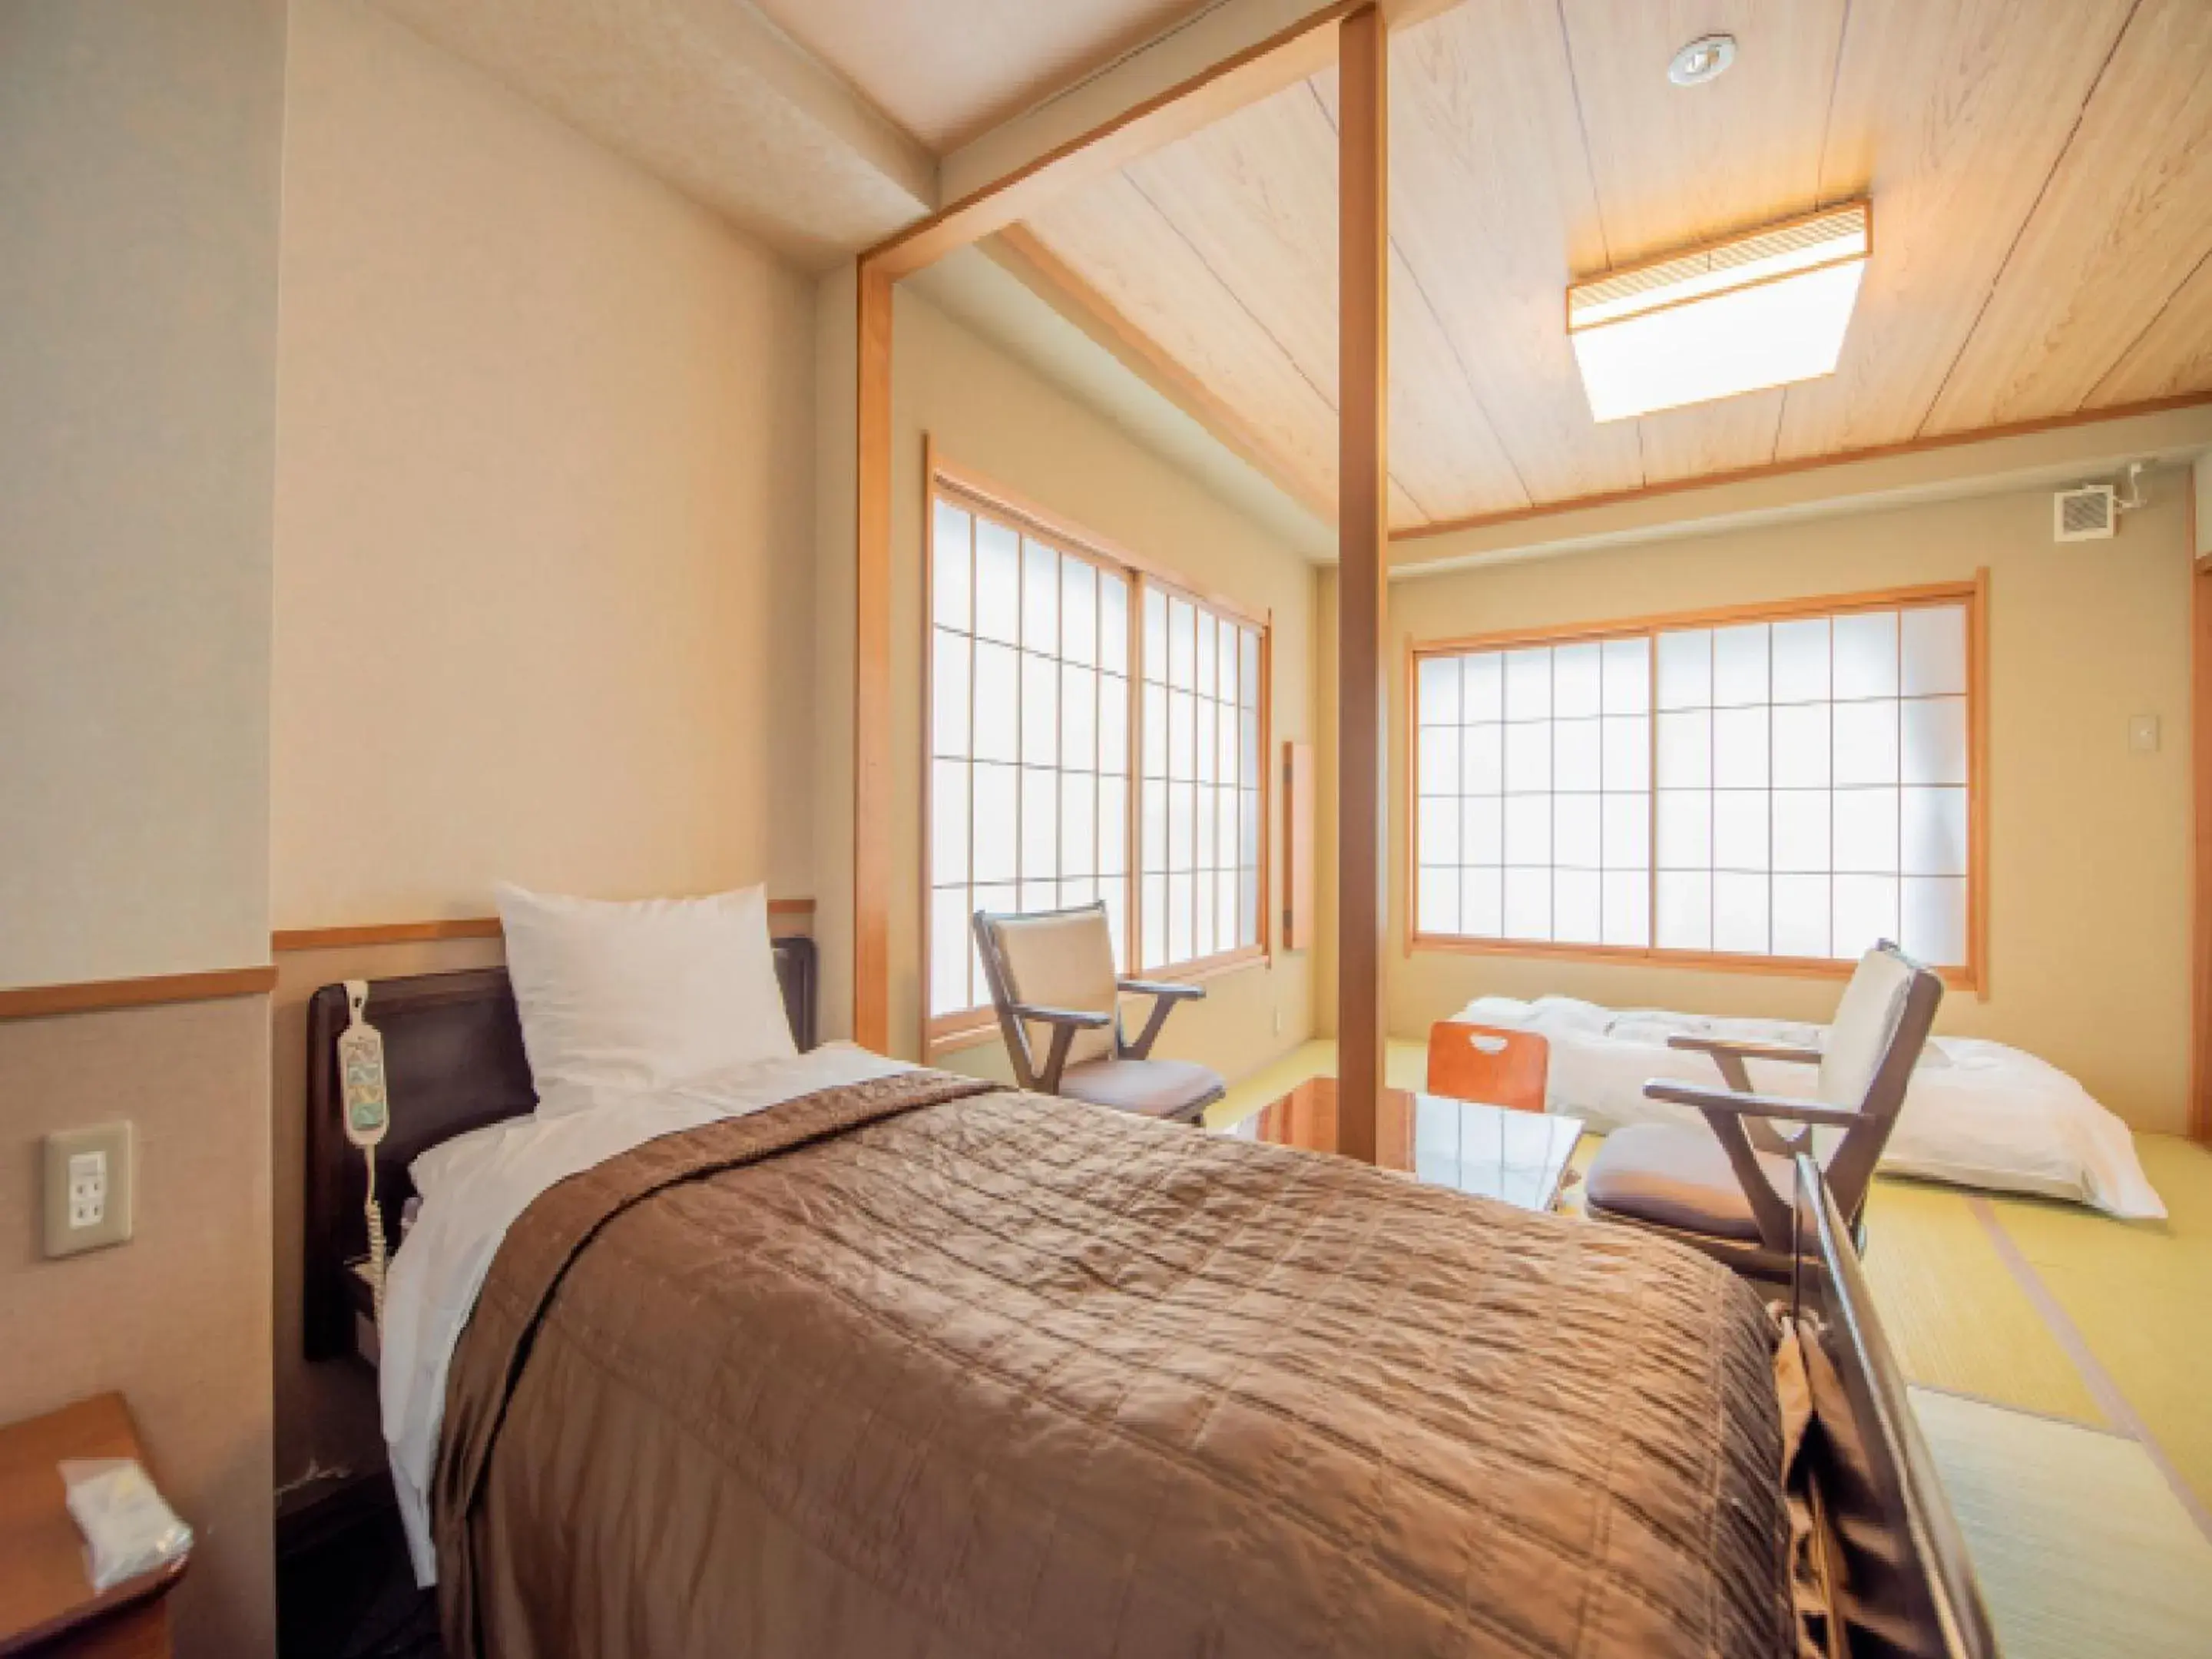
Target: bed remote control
[367, 1110]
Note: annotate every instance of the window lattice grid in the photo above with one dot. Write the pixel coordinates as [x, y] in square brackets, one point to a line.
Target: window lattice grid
[1806, 788]
[1813, 786]
[1533, 793]
[1201, 808]
[1029, 749]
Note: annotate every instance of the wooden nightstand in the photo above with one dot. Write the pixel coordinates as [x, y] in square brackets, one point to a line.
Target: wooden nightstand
[47, 1605]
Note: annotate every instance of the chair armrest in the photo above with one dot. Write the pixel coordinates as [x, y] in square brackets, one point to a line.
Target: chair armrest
[1081, 1019]
[1726, 1101]
[1717, 1046]
[1164, 995]
[1170, 990]
[1064, 1023]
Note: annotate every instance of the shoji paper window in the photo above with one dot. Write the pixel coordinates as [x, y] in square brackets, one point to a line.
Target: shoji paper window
[1095, 733]
[1029, 752]
[1200, 793]
[1812, 778]
[1534, 803]
[1791, 788]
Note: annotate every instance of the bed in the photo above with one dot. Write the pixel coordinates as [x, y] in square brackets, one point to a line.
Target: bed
[1978, 1113]
[860, 1359]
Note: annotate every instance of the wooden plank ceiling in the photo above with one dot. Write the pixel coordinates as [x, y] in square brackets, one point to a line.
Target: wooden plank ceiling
[2041, 171]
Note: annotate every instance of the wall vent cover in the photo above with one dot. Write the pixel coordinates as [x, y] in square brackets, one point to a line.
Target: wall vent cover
[2088, 514]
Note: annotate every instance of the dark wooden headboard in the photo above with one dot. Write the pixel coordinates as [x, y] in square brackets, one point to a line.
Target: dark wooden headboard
[453, 1062]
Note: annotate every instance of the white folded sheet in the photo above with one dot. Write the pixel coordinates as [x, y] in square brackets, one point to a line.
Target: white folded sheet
[1975, 1114]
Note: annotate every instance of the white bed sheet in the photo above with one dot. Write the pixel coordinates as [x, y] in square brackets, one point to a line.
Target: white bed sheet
[1976, 1114]
[432, 1284]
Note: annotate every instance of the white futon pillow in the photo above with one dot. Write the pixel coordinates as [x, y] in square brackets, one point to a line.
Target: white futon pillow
[642, 995]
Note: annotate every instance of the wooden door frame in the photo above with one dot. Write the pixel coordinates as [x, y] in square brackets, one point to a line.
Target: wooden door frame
[1292, 54]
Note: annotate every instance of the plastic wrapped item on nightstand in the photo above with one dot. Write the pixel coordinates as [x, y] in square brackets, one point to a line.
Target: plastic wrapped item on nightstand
[129, 1527]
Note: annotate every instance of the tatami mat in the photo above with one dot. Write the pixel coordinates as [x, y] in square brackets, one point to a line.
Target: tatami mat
[1955, 1315]
[2082, 1549]
[2135, 1297]
[2140, 1294]
[2092, 1535]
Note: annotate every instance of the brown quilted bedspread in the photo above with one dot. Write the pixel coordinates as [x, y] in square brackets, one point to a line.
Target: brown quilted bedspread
[921, 1368]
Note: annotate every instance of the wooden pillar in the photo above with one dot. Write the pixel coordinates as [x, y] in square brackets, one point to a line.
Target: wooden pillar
[2200, 745]
[872, 670]
[1362, 553]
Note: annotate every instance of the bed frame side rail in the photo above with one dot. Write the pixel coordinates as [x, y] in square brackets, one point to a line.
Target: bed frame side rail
[1908, 1582]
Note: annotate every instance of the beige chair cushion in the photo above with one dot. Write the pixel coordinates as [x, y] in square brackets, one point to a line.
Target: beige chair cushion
[1678, 1176]
[1866, 1021]
[1151, 1088]
[1061, 959]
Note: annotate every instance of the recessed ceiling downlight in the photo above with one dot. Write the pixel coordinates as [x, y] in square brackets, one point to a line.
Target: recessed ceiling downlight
[1702, 60]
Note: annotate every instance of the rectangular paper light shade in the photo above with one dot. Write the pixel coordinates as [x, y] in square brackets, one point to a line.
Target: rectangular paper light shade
[1757, 311]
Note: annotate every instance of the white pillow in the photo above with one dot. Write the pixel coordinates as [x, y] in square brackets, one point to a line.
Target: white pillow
[643, 995]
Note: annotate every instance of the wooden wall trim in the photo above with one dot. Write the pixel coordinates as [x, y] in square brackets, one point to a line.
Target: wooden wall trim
[1879, 598]
[91, 996]
[1977, 785]
[1362, 562]
[1636, 955]
[787, 915]
[872, 737]
[1802, 464]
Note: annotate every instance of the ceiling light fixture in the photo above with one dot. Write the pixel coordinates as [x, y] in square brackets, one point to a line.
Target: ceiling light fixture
[1702, 60]
[1763, 309]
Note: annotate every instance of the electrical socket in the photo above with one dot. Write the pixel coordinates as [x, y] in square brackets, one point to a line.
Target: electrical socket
[87, 1188]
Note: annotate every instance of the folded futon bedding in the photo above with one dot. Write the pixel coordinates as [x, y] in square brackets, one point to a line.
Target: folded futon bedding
[917, 1366]
[1977, 1113]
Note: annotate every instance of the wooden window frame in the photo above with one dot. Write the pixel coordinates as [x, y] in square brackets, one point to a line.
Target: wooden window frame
[973, 492]
[1972, 975]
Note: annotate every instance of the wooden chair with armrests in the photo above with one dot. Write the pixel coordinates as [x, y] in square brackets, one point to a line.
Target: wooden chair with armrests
[1726, 1186]
[1052, 981]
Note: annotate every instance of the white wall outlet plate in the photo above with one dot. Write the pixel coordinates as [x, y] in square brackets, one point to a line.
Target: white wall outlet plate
[87, 1188]
[2142, 733]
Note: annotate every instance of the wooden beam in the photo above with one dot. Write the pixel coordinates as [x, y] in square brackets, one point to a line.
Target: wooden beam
[871, 669]
[2200, 743]
[1363, 560]
[1290, 55]
[1045, 274]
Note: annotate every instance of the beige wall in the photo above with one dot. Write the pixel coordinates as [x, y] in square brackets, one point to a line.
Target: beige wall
[2090, 843]
[544, 533]
[138, 166]
[994, 418]
[544, 508]
[139, 156]
[178, 1318]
